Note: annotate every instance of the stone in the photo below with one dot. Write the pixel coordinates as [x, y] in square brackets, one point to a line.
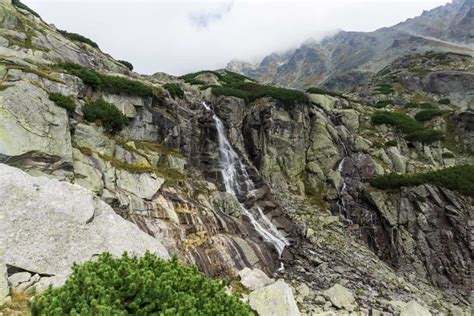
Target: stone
[27, 128]
[275, 299]
[414, 308]
[91, 137]
[18, 278]
[54, 224]
[319, 300]
[125, 103]
[143, 185]
[254, 279]
[340, 297]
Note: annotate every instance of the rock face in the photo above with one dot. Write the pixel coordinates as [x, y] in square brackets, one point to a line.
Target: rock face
[275, 299]
[53, 224]
[348, 59]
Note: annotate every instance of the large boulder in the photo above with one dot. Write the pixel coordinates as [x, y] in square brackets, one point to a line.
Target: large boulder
[254, 279]
[273, 300]
[34, 132]
[49, 225]
[340, 297]
[414, 308]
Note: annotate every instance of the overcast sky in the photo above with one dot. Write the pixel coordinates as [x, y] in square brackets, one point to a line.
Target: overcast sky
[178, 37]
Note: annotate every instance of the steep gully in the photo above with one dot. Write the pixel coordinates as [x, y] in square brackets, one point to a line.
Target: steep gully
[231, 167]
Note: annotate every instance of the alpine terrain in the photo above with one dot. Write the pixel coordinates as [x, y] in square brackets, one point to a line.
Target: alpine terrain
[357, 201]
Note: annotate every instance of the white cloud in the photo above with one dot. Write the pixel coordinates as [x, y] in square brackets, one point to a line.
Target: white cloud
[182, 36]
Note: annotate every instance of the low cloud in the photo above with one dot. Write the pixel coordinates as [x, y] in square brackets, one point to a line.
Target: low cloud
[204, 18]
[182, 36]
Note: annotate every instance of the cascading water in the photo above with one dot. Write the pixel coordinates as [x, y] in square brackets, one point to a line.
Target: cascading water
[231, 167]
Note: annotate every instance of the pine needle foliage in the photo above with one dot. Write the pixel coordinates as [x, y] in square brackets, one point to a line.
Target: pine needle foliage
[458, 178]
[145, 285]
[65, 102]
[110, 84]
[107, 114]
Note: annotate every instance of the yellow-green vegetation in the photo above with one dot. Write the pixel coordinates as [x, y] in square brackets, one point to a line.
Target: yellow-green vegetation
[315, 195]
[458, 178]
[145, 285]
[41, 72]
[111, 84]
[107, 114]
[18, 304]
[78, 38]
[174, 90]
[382, 103]
[411, 128]
[65, 102]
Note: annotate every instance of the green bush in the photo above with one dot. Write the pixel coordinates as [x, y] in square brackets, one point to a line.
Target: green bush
[428, 115]
[426, 136]
[137, 286]
[384, 88]
[444, 101]
[111, 84]
[78, 38]
[126, 64]
[458, 178]
[391, 143]
[401, 120]
[174, 90]
[250, 91]
[191, 78]
[109, 116]
[19, 4]
[66, 102]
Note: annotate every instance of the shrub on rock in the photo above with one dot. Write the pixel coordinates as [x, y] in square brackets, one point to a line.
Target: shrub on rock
[108, 115]
[65, 102]
[145, 285]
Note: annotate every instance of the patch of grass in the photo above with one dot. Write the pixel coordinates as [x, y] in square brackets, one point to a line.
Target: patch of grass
[111, 84]
[19, 304]
[458, 178]
[174, 90]
[428, 115]
[191, 78]
[107, 114]
[19, 4]
[78, 38]
[39, 72]
[384, 88]
[65, 102]
[126, 64]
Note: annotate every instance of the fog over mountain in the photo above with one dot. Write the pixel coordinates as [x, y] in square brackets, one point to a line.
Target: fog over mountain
[179, 37]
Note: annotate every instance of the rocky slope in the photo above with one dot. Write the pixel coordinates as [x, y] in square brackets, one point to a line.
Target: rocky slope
[232, 184]
[347, 59]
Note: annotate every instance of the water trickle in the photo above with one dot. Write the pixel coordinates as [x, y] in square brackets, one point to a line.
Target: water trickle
[232, 168]
[341, 204]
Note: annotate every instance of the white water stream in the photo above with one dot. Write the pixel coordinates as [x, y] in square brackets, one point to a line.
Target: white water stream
[230, 165]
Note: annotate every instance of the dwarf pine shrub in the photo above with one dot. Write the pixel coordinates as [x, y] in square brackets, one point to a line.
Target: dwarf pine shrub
[110, 84]
[429, 114]
[66, 102]
[174, 90]
[458, 178]
[78, 38]
[107, 114]
[126, 64]
[145, 285]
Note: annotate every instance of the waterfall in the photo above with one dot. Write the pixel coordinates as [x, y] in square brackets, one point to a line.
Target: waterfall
[341, 203]
[231, 167]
